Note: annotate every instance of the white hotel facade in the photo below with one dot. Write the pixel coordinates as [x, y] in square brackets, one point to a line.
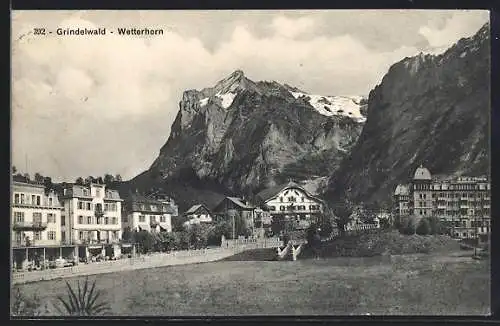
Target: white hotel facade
[91, 215]
[36, 216]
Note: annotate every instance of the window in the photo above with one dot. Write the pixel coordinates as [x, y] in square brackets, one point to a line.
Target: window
[80, 219]
[142, 218]
[63, 235]
[80, 205]
[154, 208]
[303, 199]
[50, 201]
[51, 218]
[51, 235]
[33, 200]
[106, 207]
[81, 235]
[19, 217]
[282, 208]
[37, 217]
[89, 219]
[89, 206]
[85, 192]
[16, 198]
[22, 198]
[114, 220]
[143, 207]
[162, 218]
[38, 200]
[281, 199]
[272, 208]
[63, 220]
[38, 235]
[98, 220]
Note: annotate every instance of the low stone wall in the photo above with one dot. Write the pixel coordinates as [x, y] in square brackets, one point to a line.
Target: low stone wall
[141, 262]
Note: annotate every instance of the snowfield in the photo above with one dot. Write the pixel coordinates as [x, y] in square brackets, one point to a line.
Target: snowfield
[334, 105]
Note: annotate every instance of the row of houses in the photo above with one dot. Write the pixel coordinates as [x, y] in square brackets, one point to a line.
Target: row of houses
[88, 220]
[462, 203]
[287, 203]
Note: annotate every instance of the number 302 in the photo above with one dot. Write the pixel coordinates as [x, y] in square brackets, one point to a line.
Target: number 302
[39, 31]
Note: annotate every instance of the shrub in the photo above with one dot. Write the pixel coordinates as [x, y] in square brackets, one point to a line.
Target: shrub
[435, 226]
[408, 225]
[83, 302]
[24, 306]
[424, 227]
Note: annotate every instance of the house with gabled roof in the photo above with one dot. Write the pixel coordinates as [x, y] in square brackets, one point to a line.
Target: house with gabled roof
[197, 214]
[291, 203]
[230, 206]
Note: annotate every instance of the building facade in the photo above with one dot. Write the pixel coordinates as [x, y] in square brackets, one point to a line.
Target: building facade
[92, 215]
[149, 214]
[197, 214]
[229, 207]
[292, 204]
[462, 203]
[36, 216]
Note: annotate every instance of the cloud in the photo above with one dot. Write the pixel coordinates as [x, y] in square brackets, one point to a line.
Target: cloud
[460, 24]
[106, 104]
[290, 28]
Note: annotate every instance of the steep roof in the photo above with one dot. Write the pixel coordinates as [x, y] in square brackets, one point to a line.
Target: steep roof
[273, 191]
[194, 208]
[239, 202]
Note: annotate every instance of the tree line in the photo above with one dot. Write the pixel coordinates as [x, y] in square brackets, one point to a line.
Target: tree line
[108, 179]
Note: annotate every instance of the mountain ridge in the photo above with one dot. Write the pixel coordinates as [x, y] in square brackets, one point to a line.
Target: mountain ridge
[428, 109]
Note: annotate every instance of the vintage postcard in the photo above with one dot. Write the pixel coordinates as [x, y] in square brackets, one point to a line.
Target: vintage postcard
[232, 162]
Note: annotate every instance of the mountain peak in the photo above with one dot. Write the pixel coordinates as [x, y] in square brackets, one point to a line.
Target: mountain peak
[231, 83]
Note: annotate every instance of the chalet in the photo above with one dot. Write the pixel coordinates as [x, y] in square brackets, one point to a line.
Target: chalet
[198, 214]
[291, 204]
[230, 206]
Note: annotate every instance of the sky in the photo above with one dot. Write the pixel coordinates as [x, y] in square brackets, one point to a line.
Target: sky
[90, 105]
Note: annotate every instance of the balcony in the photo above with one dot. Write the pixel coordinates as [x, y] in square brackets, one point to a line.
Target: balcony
[34, 243]
[29, 226]
[96, 242]
[99, 212]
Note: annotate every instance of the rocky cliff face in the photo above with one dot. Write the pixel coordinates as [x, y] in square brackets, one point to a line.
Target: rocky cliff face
[241, 136]
[430, 110]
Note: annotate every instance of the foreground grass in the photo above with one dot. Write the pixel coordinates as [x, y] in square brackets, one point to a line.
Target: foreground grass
[411, 284]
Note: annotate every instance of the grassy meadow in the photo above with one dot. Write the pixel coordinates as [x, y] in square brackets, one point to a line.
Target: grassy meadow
[419, 284]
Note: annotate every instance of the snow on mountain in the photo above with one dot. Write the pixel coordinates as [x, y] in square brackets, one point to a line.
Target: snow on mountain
[227, 99]
[204, 101]
[334, 105]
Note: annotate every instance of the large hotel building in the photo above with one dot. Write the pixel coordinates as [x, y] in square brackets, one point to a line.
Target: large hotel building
[462, 203]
